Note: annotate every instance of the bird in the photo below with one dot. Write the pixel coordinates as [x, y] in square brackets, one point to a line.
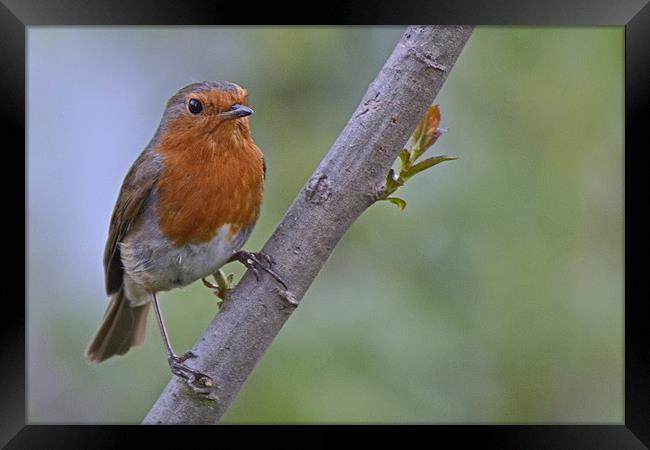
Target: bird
[186, 207]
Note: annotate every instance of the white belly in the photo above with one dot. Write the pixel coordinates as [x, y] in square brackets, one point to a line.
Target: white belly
[152, 263]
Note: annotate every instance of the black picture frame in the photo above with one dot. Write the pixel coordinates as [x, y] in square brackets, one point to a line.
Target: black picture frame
[17, 15]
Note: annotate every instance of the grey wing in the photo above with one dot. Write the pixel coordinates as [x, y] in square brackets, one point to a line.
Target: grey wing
[136, 188]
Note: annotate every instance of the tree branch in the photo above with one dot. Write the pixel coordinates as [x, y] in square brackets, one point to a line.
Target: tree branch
[348, 180]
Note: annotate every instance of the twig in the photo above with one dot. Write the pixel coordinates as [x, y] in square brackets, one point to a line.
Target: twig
[348, 180]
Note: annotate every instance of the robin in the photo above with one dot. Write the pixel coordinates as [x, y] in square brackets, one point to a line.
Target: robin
[186, 207]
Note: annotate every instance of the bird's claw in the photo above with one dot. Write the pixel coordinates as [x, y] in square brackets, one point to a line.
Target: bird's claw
[255, 272]
[185, 356]
[267, 258]
[252, 261]
[197, 379]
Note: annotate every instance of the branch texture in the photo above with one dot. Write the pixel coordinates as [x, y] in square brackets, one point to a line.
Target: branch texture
[348, 180]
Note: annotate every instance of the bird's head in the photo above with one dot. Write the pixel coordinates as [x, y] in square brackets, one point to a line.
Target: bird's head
[216, 110]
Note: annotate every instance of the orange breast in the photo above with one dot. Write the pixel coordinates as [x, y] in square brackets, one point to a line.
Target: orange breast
[207, 182]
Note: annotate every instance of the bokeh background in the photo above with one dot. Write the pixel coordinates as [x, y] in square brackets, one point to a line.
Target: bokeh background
[496, 296]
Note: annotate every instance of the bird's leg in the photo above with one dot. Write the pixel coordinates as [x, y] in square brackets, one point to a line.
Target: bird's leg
[252, 261]
[176, 362]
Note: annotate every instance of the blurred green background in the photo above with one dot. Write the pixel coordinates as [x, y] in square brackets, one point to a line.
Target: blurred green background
[496, 296]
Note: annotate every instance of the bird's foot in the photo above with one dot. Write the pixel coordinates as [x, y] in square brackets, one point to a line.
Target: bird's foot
[185, 356]
[253, 261]
[198, 380]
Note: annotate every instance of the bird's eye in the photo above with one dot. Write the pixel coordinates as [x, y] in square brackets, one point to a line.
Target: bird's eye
[194, 106]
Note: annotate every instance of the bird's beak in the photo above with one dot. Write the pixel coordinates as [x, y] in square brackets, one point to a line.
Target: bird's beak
[236, 112]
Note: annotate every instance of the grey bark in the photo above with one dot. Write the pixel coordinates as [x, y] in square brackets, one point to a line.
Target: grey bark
[348, 180]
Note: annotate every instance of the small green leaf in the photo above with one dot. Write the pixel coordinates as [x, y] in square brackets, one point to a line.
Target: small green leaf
[425, 164]
[224, 282]
[393, 182]
[419, 132]
[432, 119]
[404, 156]
[391, 186]
[401, 204]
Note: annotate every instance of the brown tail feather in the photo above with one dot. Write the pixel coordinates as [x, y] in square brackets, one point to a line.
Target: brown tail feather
[122, 327]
